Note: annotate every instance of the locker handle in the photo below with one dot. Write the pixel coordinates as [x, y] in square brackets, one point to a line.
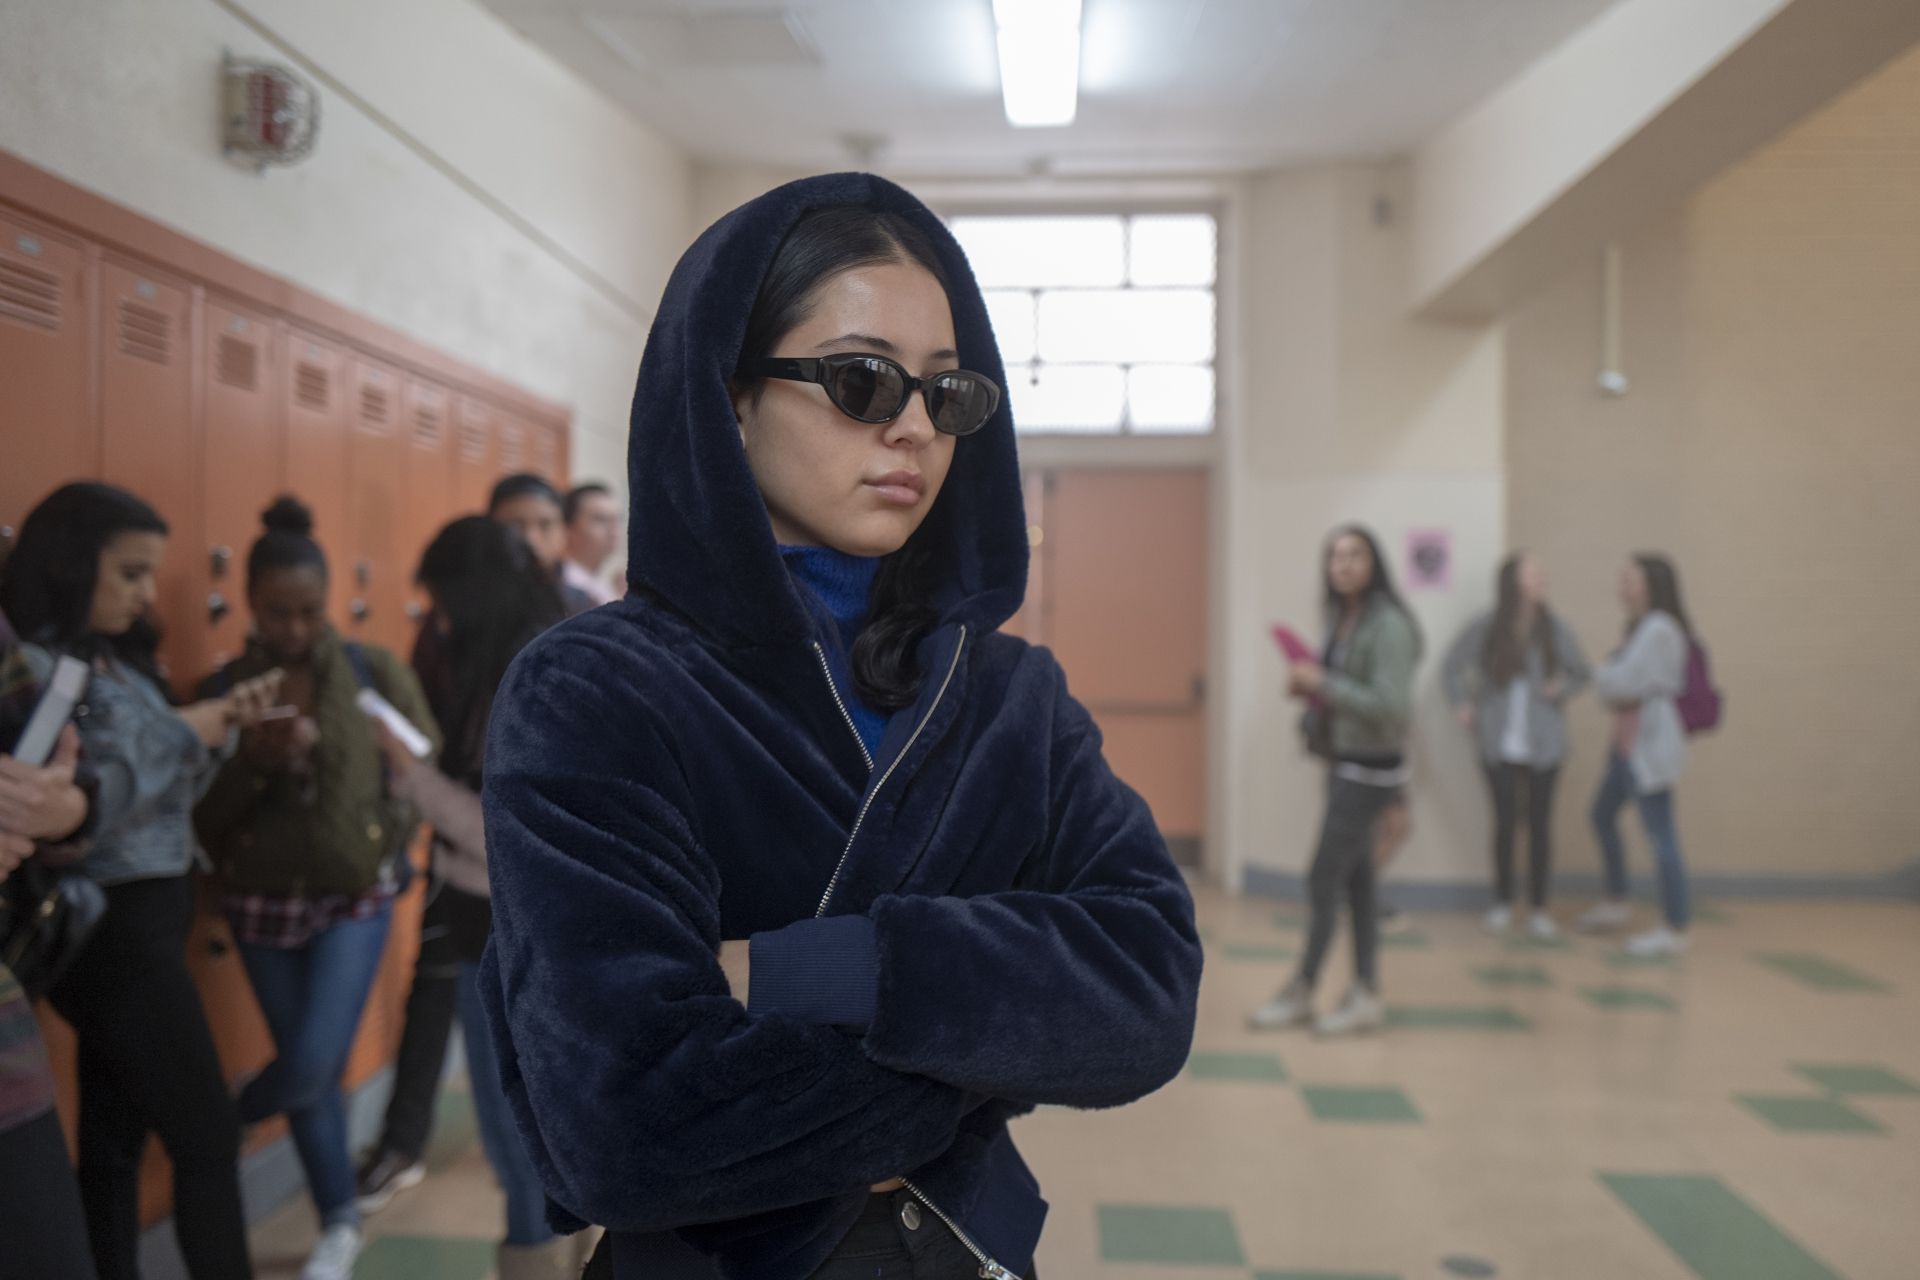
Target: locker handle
[415, 611]
[363, 572]
[220, 558]
[360, 610]
[217, 608]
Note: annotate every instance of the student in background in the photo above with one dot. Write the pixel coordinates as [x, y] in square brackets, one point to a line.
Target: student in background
[593, 538]
[1641, 682]
[81, 582]
[309, 847]
[490, 597]
[533, 508]
[44, 813]
[1365, 692]
[1508, 678]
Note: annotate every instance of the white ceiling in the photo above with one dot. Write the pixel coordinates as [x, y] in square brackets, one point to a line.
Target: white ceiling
[1167, 86]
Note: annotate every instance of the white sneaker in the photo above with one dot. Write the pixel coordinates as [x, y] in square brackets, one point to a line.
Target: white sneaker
[1500, 919]
[1360, 1011]
[1604, 917]
[1542, 927]
[333, 1257]
[1291, 1008]
[1657, 942]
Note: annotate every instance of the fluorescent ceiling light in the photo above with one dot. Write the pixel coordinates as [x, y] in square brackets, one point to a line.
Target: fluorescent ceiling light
[1039, 59]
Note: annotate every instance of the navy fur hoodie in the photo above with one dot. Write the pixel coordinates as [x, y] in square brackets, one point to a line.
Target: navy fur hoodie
[675, 769]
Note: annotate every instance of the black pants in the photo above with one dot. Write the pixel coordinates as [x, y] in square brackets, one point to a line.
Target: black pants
[896, 1238]
[148, 1065]
[1509, 783]
[1343, 869]
[423, 1042]
[43, 1231]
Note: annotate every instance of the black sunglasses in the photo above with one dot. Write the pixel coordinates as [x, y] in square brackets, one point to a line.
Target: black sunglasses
[876, 389]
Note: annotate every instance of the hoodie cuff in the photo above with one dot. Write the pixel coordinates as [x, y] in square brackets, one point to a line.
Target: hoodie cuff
[823, 972]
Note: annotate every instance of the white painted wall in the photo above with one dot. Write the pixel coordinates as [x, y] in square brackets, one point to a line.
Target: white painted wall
[1341, 408]
[466, 190]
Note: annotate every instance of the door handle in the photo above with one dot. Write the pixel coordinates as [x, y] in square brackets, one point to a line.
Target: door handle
[217, 608]
[220, 558]
[360, 610]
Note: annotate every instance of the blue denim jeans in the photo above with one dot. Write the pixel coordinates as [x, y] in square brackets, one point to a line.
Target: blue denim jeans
[1657, 817]
[312, 998]
[506, 1151]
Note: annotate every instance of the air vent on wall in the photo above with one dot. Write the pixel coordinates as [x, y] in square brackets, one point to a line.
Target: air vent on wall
[237, 363]
[29, 295]
[510, 447]
[311, 386]
[145, 334]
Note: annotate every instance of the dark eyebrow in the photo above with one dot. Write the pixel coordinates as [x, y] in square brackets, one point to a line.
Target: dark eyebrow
[868, 342]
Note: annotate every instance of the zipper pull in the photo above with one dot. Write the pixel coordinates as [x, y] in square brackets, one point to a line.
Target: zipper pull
[994, 1271]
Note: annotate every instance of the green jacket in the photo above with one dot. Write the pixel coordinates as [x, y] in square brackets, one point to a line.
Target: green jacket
[1371, 692]
[327, 832]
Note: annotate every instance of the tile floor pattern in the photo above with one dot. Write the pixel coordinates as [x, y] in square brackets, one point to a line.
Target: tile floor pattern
[1750, 1111]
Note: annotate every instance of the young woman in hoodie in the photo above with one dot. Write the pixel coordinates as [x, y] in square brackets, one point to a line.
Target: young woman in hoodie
[801, 740]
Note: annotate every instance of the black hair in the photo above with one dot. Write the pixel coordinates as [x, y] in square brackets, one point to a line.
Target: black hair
[1379, 586]
[47, 589]
[1504, 656]
[287, 543]
[494, 596]
[824, 243]
[570, 507]
[523, 484]
[1663, 588]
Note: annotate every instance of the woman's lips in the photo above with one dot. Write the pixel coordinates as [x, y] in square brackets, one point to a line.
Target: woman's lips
[899, 488]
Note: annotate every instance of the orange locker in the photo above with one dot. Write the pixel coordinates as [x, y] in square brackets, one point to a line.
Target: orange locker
[241, 462]
[429, 478]
[313, 400]
[476, 463]
[514, 446]
[48, 429]
[376, 613]
[149, 444]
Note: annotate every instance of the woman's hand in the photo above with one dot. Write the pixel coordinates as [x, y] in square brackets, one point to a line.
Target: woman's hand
[249, 700]
[400, 761]
[734, 962]
[209, 720]
[281, 746]
[1304, 679]
[39, 802]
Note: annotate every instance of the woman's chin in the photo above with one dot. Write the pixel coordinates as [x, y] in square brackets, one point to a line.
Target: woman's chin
[880, 534]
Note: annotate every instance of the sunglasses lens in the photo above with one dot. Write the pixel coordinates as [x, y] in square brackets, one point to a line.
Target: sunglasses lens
[960, 403]
[870, 390]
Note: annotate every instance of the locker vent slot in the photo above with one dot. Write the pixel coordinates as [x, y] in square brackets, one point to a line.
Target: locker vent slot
[145, 333]
[374, 405]
[511, 453]
[29, 295]
[427, 426]
[473, 441]
[237, 363]
[311, 386]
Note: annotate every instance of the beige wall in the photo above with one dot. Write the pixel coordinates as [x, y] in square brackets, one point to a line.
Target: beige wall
[1771, 442]
[466, 189]
[1339, 407]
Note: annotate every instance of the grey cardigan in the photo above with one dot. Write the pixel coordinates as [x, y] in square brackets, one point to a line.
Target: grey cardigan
[152, 766]
[1650, 671]
[1371, 691]
[1464, 678]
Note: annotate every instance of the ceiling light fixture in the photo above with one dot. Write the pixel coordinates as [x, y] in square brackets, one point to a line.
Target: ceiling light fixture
[1039, 60]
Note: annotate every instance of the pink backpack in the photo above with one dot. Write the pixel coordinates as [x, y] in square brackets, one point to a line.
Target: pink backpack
[1700, 703]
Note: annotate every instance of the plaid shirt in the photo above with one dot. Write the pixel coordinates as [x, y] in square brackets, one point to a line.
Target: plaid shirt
[287, 923]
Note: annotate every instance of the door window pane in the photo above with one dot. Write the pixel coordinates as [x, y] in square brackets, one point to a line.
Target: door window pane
[1068, 397]
[1133, 326]
[1171, 249]
[1170, 398]
[1011, 313]
[1031, 253]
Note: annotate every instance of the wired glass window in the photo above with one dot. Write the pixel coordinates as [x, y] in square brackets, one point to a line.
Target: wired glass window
[1105, 322]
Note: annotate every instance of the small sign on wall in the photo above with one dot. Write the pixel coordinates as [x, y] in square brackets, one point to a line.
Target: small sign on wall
[1429, 559]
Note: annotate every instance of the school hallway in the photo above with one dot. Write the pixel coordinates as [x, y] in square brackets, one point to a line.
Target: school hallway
[1750, 1111]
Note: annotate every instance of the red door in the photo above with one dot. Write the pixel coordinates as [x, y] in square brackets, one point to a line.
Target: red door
[50, 432]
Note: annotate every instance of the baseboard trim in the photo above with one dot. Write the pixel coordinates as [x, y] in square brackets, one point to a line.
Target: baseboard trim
[1453, 895]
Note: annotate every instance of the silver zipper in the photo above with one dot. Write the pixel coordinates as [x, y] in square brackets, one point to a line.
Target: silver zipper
[874, 790]
[989, 1269]
[846, 715]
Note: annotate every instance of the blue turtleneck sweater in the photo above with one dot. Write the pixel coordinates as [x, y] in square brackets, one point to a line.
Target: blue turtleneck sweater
[837, 586]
